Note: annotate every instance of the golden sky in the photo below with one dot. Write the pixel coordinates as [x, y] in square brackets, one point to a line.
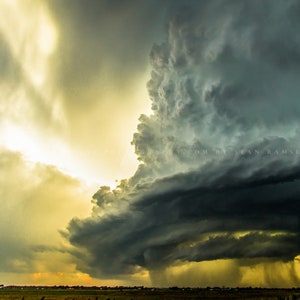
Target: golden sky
[71, 103]
[68, 112]
[76, 76]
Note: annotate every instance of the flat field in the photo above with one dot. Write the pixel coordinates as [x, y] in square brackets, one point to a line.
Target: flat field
[37, 293]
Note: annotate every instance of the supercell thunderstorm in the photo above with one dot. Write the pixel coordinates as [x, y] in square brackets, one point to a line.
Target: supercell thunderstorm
[219, 156]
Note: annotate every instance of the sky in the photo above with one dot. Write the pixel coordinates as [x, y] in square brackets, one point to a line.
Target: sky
[150, 142]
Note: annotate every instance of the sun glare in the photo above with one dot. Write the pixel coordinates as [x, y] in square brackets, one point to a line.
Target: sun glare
[52, 151]
[46, 35]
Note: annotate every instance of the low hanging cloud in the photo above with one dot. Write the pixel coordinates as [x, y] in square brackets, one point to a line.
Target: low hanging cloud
[36, 201]
[219, 172]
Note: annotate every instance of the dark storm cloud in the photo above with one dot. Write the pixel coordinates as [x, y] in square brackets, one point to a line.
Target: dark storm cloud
[219, 174]
[178, 217]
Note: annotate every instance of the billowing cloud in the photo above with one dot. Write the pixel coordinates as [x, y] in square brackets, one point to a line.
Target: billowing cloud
[219, 172]
[36, 201]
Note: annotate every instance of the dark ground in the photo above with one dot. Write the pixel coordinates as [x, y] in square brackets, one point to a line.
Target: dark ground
[126, 293]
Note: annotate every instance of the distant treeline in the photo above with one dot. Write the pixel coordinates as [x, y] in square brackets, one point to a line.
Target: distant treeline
[174, 288]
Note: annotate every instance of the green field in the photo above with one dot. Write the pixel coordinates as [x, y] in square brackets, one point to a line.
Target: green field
[38, 293]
